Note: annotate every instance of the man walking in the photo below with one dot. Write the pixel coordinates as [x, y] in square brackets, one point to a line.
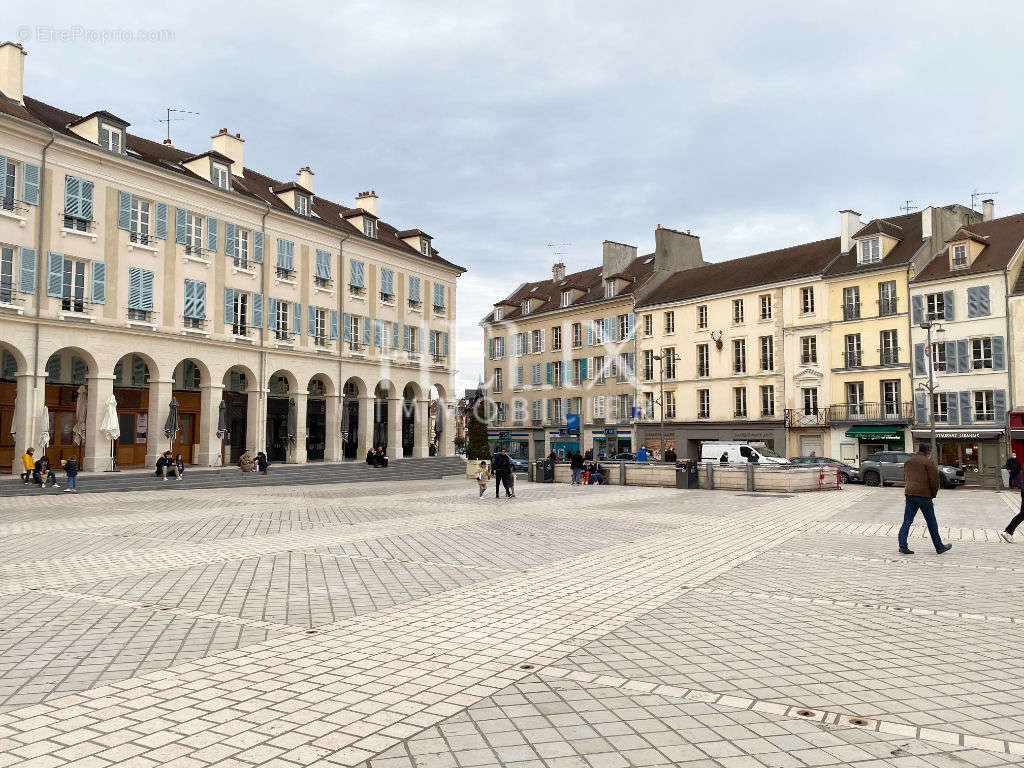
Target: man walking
[921, 486]
[576, 464]
[501, 468]
[1013, 467]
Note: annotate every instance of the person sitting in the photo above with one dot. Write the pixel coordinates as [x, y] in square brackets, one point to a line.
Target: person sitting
[371, 458]
[46, 473]
[597, 474]
[245, 462]
[165, 465]
[261, 463]
[585, 476]
[381, 457]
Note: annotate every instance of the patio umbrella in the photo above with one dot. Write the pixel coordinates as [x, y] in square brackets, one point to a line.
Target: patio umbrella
[110, 427]
[345, 418]
[292, 420]
[172, 426]
[44, 428]
[222, 420]
[78, 429]
[439, 418]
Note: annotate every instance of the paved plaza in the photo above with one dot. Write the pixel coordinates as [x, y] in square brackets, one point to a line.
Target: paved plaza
[412, 624]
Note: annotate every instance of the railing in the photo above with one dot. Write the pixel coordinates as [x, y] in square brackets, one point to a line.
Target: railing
[240, 261]
[193, 250]
[797, 417]
[356, 290]
[896, 413]
[889, 357]
[322, 282]
[439, 309]
[320, 341]
[194, 323]
[140, 315]
[356, 346]
[13, 206]
[387, 298]
[77, 223]
[414, 304]
[282, 335]
[854, 359]
[887, 307]
[851, 311]
[141, 238]
[284, 273]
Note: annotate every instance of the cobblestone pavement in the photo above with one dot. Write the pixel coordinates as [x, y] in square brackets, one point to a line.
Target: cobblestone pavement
[414, 625]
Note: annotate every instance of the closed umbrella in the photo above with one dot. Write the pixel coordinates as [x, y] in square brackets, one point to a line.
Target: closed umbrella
[439, 418]
[81, 405]
[293, 420]
[110, 427]
[222, 420]
[171, 426]
[344, 417]
[44, 429]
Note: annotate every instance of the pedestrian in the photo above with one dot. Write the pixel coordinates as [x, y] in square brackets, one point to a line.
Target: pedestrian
[165, 465]
[245, 462]
[921, 486]
[724, 458]
[262, 463]
[642, 455]
[501, 468]
[481, 478]
[45, 473]
[29, 463]
[553, 457]
[179, 463]
[71, 472]
[576, 465]
[1013, 467]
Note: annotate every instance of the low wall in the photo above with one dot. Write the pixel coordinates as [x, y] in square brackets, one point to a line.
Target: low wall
[714, 476]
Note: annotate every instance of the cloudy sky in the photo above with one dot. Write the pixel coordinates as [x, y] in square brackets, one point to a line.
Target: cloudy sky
[502, 127]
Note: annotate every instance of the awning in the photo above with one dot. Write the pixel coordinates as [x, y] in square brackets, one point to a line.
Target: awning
[875, 433]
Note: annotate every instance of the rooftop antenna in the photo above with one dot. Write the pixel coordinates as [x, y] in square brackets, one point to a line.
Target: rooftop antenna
[983, 195]
[557, 250]
[169, 119]
[908, 206]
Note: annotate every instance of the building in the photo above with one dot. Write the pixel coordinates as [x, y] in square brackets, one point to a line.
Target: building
[560, 353]
[272, 317]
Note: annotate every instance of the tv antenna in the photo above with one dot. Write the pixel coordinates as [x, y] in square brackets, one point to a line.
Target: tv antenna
[557, 249]
[983, 195]
[908, 206]
[169, 119]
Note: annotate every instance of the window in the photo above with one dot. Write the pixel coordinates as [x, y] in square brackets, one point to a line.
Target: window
[887, 300]
[77, 202]
[241, 255]
[424, 246]
[855, 398]
[808, 350]
[537, 342]
[766, 306]
[281, 330]
[599, 372]
[370, 227]
[737, 311]
[648, 325]
[355, 339]
[497, 379]
[577, 335]
[566, 298]
[556, 373]
[624, 327]
[220, 177]
[702, 316]
[193, 234]
[320, 326]
[577, 370]
[768, 400]
[807, 300]
[670, 405]
[387, 285]
[499, 347]
[890, 351]
[810, 396]
[500, 417]
[518, 411]
[767, 353]
[703, 403]
[556, 409]
[240, 326]
[739, 355]
[981, 353]
[670, 322]
[648, 405]
[960, 256]
[535, 378]
[414, 340]
[556, 338]
[648, 370]
[703, 361]
[851, 303]
[111, 137]
[669, 361]
[301, 204]
[10, 170]
[498, 313]
[739, 402]
[6, 275]
[935, 306]
[939, 356]
[526, 306]
[869, 251]
[611, 288]
[73, 291]
[140, 221]
[852, 350]
[356, 274]
[517, 376]
[940, 407]
[891, 398]
[439, 296]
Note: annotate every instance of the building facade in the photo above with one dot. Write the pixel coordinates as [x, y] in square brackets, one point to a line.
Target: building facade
[273, 318]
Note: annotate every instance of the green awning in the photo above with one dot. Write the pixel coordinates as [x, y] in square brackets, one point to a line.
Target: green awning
[875, 433]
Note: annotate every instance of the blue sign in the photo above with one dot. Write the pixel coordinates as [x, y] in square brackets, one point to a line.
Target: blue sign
[572, 421]
[638, 412]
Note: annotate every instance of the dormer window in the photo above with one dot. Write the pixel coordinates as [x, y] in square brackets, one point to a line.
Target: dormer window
[611, 288]
[111, 137]
[370, 227]
[869, 251]
[302, 204]
[424, 246]
[566, 298]
[527, 306]
[220, 176]
[498, 313]
[960, 256]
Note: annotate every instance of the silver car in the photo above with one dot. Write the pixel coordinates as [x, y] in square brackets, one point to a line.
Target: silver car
[887, 467]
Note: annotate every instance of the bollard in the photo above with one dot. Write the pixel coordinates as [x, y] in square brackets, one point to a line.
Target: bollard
[709, 473]
[750, 476]
[622, 473]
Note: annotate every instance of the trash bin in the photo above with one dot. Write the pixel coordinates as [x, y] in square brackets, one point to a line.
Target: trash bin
[544, 471]
[686, 474]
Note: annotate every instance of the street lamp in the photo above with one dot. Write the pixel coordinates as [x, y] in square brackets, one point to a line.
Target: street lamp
[661, 386]
[928, 327]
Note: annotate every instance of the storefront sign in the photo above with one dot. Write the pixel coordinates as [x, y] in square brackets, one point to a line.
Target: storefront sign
[949, 435]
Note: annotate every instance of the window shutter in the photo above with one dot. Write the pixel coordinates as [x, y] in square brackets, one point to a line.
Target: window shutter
[921, 408]
[966, 414]
[583, 369]
[55, 274]
[334, 324]
[984, 303]
[230, 239]
[200, 292]
[211, 234]
[147, 290]
[630, 320]
[999, 404]
[952, 408]
[547, 409]
[311, 320]
[356, 274]
[590, 334]
[394, 335]
[72, 193]
[947, 300]
[547, 373]
[323, 264]
[917, 304]
[257, 246]
[296, 318]
[124, 210]
[134, 288]
[180, 225]
[951, 364]
[99, 282]
[963, 358]
[972, 302]
[346, 327]
[29, 183]
[161, 220]
[190, 298]
[920, 368]
[27, 278]
[271, 313]
[85, 200]
[444, 337]
[366, 331]
[414, 288]
[3, 177]
[433, 343]
[978, 303]
[257, 310]
[998, 354]
[407, 342]
[229, 306]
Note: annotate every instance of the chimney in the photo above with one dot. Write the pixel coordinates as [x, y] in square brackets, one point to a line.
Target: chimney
[615, 258]
[12, 71]
[988, 209]
[558, 272]
[675, 251]
[306, 178]
[849, 223]
[367, 201]
[230, 146]
[167, 143]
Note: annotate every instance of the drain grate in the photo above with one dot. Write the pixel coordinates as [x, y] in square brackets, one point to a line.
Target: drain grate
[526, 666]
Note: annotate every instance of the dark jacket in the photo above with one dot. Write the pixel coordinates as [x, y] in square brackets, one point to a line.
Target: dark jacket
[1012, 464]
[71, 467]
[576, 462]
[261, 460]
[500, 464]
[162, 462]
[920, 477]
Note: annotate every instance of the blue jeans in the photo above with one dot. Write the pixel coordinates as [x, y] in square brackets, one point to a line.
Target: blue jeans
[73, 481]
[927, 507]
[576, 472]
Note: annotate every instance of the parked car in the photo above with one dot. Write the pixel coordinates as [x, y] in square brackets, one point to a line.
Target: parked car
[740, 453]
[847, 473]
[887, 467]
[519, 465]
[623, 457]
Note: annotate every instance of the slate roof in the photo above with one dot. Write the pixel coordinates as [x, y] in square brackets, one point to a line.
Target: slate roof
[1002, 238]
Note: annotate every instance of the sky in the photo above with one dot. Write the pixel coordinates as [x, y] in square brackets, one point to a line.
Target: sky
[503, 128]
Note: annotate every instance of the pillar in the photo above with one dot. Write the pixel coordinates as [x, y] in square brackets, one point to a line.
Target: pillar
[421, 430]
[365, 434]
[210, 398]
[96, 457]
[27, 404]
[255, 422]
[446, 443]
[159, 402]
[332, 434]
[297, 450]
[394, 433]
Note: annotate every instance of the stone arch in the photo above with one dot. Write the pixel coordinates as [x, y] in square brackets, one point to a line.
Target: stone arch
[190, 374]
[128, 373]
[440, 442]
[67, 371]
[282, 382]
[282, 388]
[67, 357]
[326, 388]
[354, 387]
[355, 418]
[11, 358]
[242, 413]
[239, 378]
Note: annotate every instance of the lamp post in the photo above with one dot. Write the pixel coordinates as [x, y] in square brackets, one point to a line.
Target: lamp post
[661, 386]
[928, 326]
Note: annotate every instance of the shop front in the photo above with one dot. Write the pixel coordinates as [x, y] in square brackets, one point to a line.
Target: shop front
[977, 451]
[610, 441]
[686, 439]
[865, 439]
[517, 443]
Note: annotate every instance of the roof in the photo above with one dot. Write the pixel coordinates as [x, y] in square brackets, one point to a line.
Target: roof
[908, 227]
[548, 293]
[881, 227]
[750, 271]
[1002, 237]
[245, 181]
[103, 113]
[968, 234]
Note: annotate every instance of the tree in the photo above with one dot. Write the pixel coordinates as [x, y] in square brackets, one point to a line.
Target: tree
[478, 448]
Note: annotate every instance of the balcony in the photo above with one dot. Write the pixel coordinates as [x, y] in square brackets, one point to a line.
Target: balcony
[888, 307]
[141, 238]
[889, 357]
[387, 298]
[415, 304]
[853, 359]
[356, 290]
[193, 250]
[887, 413]
[284, 273]
[798, 417]
[851, 311]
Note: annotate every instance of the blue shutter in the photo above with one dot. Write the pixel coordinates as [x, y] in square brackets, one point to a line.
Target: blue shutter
[963, 359]
[998, 354]
[921, 407]
[444, 336]
[630, 320]
[147, 290]
[271, 313]
[311, 320]
[85, 200]
[356, 277]
[583, 369]
[124, 210]
[490, 349]
[407, 339]
[257, 310]
[952, 408]
[590, 333]
[966, 414]
[180, 225]
[161, 220]
[414, 288]
[394, 335]
[29, 183]
[438, 295]
[951, 366]
[99, 282]
[323, 264]
[211, 234]
[346, 327]
[999, 405]
[920, 369]
[387, 280]
[257, 246]
[978, 302]
[72, 194]
[55, 274]
[378, 331]
[947, 300]
[917, 309]
[433, 344]
[334, 324]
[190, 298]
[366, 331]
[547, 373]
[3, 178]
[200, 299]
[420, 336]
[230, 239]
[134, 288]
[27, 279]
[229, 306]
[296, 318]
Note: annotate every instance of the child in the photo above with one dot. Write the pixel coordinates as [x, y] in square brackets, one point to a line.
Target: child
[481, 478]
[71, 470]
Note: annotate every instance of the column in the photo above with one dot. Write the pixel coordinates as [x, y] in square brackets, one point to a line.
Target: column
[255, 422]
[365, 433]
[297, 451]
[421, 430]
[96, 457]
[159, 403]
[27, 404]
[210, 398]
[394, 432]
[446, 445]
[332, 442]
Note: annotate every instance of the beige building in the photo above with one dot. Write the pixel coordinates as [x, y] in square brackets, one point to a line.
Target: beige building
[273, 318]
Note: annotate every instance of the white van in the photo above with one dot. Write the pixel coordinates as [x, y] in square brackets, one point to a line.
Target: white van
[740, 453]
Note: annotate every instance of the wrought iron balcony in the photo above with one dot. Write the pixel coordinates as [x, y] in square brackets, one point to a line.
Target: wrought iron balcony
[853, 413]
[851, 311]
[798, 417]
[887, 307]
